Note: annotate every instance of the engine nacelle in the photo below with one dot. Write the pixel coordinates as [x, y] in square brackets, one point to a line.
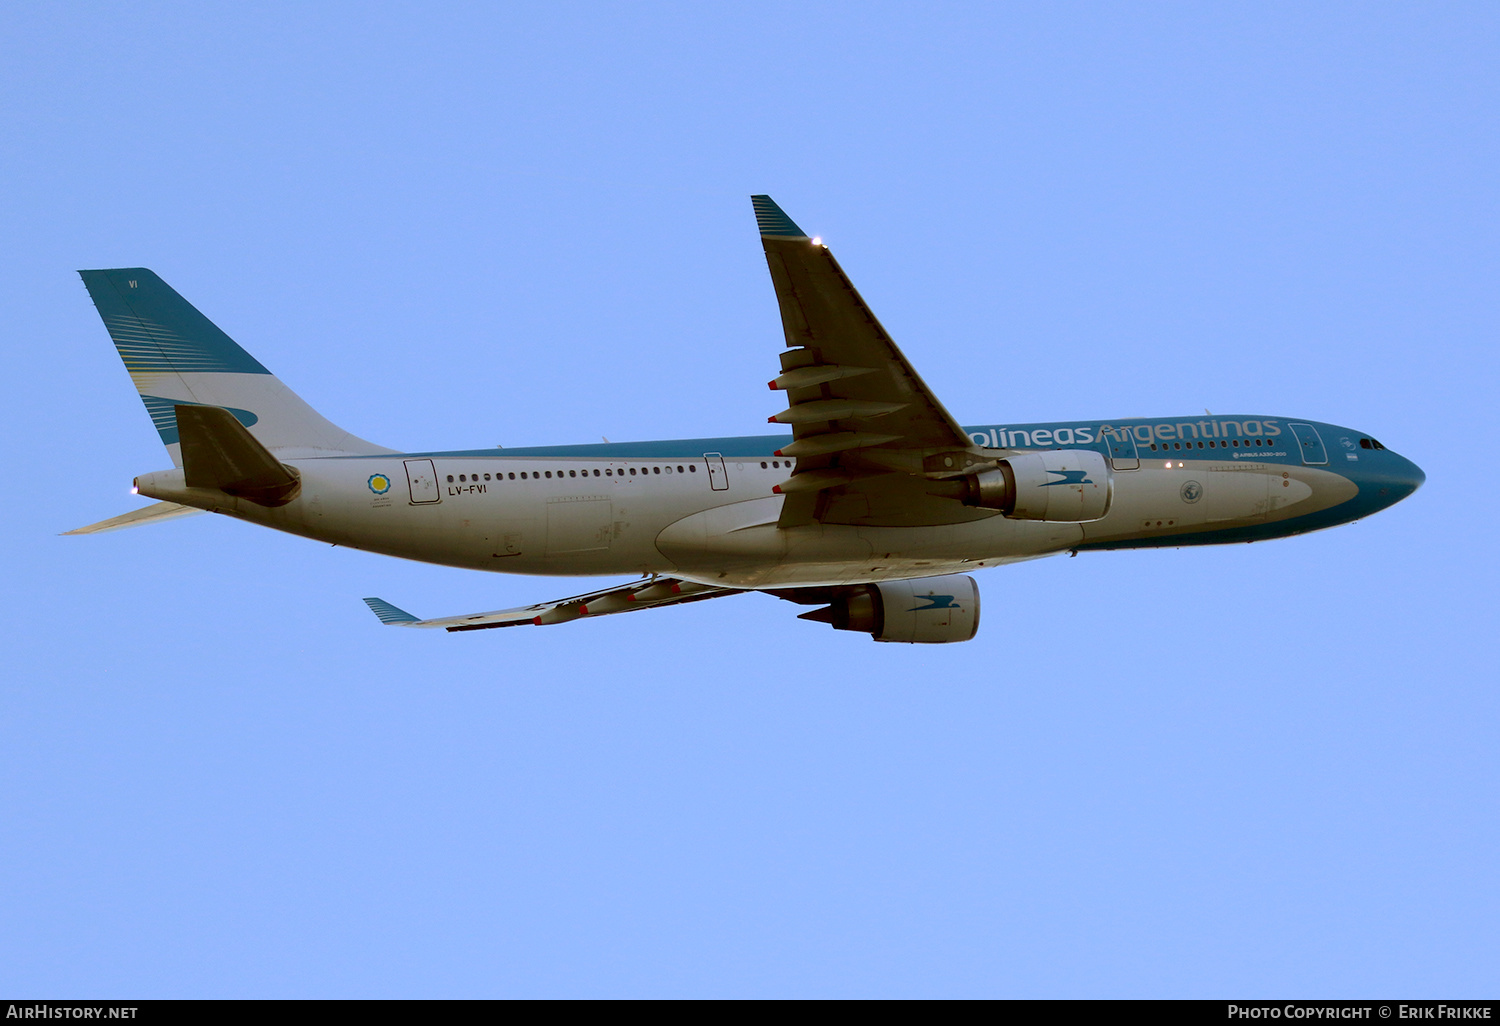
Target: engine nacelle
[1069, 486]
[929, 610]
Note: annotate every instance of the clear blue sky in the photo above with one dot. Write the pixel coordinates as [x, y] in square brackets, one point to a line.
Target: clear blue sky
[1253, 770]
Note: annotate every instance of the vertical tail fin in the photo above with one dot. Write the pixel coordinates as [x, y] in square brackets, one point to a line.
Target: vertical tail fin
[178, 357]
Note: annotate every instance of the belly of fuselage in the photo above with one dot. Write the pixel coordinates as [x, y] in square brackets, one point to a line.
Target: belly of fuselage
[596, 518]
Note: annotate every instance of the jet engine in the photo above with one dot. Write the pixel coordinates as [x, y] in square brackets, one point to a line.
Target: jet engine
[926, 610]
[1057, 485]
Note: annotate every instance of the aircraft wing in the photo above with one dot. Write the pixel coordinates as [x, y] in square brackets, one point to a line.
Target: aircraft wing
[869, 436]
[624, 598]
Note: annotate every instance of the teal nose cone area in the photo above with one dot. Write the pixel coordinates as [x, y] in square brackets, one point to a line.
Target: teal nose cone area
[1414, 476]
[1396, 478]
[1404, 478]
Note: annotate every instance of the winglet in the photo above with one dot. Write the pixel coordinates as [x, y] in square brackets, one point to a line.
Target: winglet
[773, 220]
[387, 613]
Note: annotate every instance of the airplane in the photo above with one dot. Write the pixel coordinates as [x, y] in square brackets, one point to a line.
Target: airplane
[873, 508]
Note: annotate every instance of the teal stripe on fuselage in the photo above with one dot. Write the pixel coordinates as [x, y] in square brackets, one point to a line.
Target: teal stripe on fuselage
[1224, 432]
[1265, 439]
[745, 447]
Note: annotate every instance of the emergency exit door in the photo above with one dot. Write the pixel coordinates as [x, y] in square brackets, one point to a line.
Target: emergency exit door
[421, 479]
[1123, 454]
[718, 476]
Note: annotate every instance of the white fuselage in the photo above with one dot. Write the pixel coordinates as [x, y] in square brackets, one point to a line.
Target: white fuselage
[711, 522]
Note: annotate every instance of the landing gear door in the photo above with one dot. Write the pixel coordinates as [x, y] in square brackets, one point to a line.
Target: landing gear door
[421, 478]
[1120, 442]
[1310, 442]
[718, 476]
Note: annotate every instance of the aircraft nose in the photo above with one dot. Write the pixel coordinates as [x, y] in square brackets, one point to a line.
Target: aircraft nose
[1414, 474]
[1400, 480]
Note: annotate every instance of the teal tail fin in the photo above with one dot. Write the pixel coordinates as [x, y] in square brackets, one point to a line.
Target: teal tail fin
[178, 357]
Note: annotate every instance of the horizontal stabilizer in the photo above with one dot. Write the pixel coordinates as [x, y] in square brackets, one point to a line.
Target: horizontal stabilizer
[642, 594]
[154, 513]
[219, 452]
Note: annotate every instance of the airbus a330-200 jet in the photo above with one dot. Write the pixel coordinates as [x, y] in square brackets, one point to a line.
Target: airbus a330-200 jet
[873, 509]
